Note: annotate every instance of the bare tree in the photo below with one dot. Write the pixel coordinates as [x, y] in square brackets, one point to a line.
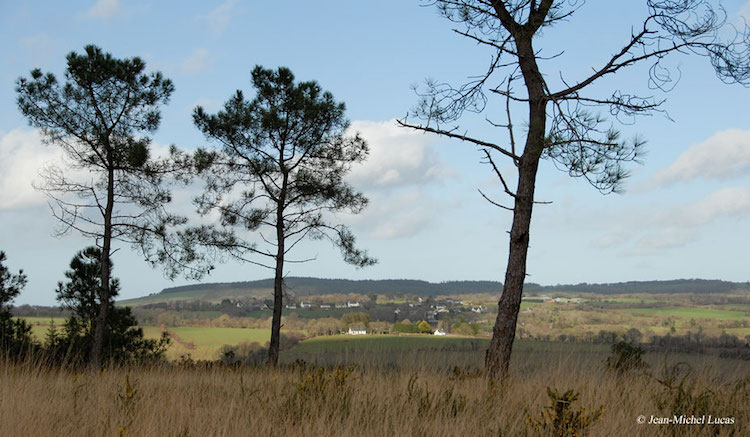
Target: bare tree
[564, 125]
[110, 189]
[281, 165]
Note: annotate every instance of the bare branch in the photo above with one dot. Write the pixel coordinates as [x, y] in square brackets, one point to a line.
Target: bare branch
[450, 134]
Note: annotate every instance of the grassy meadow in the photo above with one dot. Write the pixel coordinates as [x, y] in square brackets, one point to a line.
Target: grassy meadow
[205, 343]
[413, 397]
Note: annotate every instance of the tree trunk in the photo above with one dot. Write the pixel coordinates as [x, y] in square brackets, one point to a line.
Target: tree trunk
[497, 359]
[278, 280]
[97, 346]
[278, 297]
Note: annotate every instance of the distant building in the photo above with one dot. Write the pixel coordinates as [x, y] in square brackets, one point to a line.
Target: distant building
[305, 305]
[357, 330]
[340, 305]
[439, 332]
[325, 307]
[352, 304]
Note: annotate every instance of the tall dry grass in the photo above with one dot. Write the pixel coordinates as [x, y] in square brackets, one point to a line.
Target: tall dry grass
[197, 401]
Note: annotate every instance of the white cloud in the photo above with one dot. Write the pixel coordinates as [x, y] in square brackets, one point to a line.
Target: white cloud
[198, 61]
[104, 9]
[615, 237]
[397, 177]
[724, 155]
[726, 202]
[659, 241]
[22, 154]
[390, 216]
[219, 18]
[639, 233]
[398, 157]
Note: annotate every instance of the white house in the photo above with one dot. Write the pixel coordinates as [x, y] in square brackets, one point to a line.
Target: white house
[352, 304]
[357, 330]
[439, 332]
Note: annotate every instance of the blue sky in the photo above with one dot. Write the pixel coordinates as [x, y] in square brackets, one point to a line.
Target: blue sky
[684, 213]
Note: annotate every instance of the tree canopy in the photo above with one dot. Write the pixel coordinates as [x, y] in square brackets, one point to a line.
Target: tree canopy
[110, 188]
[280, 165]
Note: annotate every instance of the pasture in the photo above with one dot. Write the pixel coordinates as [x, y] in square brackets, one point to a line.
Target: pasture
[689, 313]
[204, 343]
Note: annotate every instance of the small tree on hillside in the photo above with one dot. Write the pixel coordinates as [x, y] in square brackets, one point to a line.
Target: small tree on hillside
[281, 165]
[424, 327]
[563, 119]
[101, 117]
[81, 294]
[14, 333]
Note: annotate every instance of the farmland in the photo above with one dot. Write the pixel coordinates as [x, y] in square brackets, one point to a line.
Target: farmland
[201, 328]
[689, 313]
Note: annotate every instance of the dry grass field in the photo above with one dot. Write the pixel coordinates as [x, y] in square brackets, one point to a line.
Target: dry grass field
[194, 400]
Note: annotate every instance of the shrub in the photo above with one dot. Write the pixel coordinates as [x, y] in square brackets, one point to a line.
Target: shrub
[560, 419]
[424, 327]
[626, 357]
[683, 395]
[249, 354]
[406, 328]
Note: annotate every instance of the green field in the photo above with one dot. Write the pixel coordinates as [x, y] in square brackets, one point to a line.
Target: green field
[417, 342]
[635, 300]
[417, 352]
[688, 313]
[40, 325]
[204, 343]
[44, 321]
[353, 343]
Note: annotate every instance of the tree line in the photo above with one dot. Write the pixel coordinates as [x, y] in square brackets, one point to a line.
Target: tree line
[301, 286]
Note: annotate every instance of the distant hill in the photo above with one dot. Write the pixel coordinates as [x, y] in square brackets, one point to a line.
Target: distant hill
[314, 286]
[699, 286]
